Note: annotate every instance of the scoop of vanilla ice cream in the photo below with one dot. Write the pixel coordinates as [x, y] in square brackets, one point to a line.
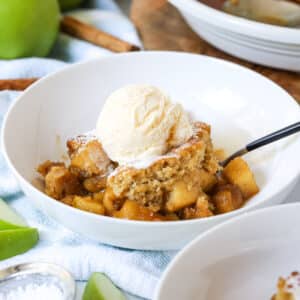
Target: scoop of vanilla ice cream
[139, 122]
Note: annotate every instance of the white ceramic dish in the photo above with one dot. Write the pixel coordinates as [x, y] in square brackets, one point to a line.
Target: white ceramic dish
[260, 43]
[239, 259]
[240, 105]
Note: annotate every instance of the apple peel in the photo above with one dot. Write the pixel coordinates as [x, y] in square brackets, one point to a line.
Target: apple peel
[100, 287]
[17, 241]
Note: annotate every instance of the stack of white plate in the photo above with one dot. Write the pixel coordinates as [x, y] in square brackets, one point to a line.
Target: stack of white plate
[265, 44]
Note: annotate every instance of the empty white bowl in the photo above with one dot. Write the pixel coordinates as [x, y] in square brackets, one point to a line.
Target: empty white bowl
[238, 103]
[265, 44]
[240, 259]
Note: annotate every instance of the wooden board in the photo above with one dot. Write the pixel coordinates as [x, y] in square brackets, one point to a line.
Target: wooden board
[161, 27]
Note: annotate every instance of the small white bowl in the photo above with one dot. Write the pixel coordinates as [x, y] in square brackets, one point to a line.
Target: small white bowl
[269, 45]
[239, 259]
[238, 103]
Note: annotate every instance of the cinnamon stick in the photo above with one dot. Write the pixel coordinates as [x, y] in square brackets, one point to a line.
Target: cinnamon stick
[16, 84]
[94, 35]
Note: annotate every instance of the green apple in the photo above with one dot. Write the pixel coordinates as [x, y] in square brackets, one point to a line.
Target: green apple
[99, 287]
[9, 219]
[15, 237]
[28, 27]
[5, 225]
[17, 241]
[69, 4]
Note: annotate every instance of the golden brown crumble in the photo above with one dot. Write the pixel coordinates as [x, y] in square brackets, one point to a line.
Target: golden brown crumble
[181, 184]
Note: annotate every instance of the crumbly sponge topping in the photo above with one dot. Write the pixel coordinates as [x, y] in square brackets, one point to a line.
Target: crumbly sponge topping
[190, 162]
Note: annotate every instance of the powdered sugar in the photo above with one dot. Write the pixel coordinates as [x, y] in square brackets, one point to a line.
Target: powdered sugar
[36, 281]
[33, 291]
[145, 163]
[86, 137]
[141, 164]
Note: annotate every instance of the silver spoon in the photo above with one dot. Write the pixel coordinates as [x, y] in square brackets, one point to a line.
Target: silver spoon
[268, 139]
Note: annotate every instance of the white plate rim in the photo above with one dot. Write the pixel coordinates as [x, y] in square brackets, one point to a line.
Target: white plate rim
[237, 24]
[211, 231]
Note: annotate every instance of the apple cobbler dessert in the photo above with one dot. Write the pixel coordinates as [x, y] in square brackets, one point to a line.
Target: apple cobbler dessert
[147, 161]
[289, 288]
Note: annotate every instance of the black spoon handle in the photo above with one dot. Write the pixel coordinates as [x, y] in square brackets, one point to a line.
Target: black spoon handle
[268, 139]
[275, 136]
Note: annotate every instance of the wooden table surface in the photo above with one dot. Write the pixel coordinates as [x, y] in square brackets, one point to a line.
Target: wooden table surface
[161, 27]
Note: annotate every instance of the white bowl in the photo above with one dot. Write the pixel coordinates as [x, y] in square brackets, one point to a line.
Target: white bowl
[240, 259]
[265, 44]
[240, 105]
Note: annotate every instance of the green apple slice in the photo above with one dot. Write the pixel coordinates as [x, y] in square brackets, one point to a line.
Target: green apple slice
[99, 287]
[6, 226]
[17, 241]
[9, 219]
